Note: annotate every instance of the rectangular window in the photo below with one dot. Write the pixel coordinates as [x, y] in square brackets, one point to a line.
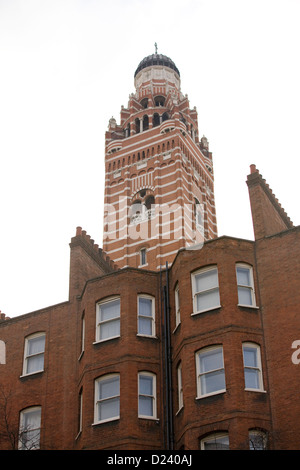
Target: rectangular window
[244, 275]
[34, 354]
[210, 371]
[146, 315]
[143, 258]
[177, 306]
[82, 334]
[108, 319]
[206, 290]
[147, 395]
[252, 367]
[30, 428]
[107, 398]
[180, 389]
[80, 411]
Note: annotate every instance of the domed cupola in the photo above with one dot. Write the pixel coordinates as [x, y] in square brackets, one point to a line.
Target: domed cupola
[156, 59]
[157, 70]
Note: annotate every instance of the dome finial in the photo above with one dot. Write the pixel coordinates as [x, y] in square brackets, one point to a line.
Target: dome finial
[155, 45]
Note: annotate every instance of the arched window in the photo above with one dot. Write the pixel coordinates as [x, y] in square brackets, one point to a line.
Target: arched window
[144, 103]
[165, 117]
[149, 202]
[159, 100]
[143, 208]
[155, 120]
[198, 213]
[137, 125]
[258, 439]
[30, 428]
[215, 441]
[145, 122]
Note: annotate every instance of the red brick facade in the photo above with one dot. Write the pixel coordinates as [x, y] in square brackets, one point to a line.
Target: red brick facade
[152, 359]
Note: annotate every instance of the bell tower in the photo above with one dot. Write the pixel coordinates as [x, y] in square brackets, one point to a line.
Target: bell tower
[159, 183]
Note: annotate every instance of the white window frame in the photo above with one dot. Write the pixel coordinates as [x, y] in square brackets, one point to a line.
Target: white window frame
[152, 396]
[99, 400]
[199, 373]
[250, 287]
[35, 444]
[2, 352]
[214, 437]
[152, 318]
[82, 335]
[179, 385]
[100, 322]
[257, 368]
[177, 306]
[204, 291]
[28, 357]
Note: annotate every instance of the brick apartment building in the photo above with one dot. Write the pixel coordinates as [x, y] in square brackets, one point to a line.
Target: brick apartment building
[172, 337]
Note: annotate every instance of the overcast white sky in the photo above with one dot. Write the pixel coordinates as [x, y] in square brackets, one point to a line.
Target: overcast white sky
[67, 66]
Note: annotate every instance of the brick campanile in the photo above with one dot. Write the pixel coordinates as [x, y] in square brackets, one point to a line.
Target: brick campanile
[159, 183]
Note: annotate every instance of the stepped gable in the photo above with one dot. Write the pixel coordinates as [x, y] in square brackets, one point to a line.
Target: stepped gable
[87, 243]
[268, 215]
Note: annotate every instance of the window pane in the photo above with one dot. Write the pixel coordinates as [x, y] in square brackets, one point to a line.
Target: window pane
[212, 382]
[143, 257]
[109, 387]
[146, 385]
[250, 357]
[110, 310]
[211, 360]
[208, 300]
[206, 280]
[245, 296]
[145, 307]
[32, 419]
[110, 329]
[145, 326]
[243, 276]
[218, 443]
[35, 364]
[145, 406]
[257, 440]
[252, 378]
[36, 345]
[109, 409]
[31, 439]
